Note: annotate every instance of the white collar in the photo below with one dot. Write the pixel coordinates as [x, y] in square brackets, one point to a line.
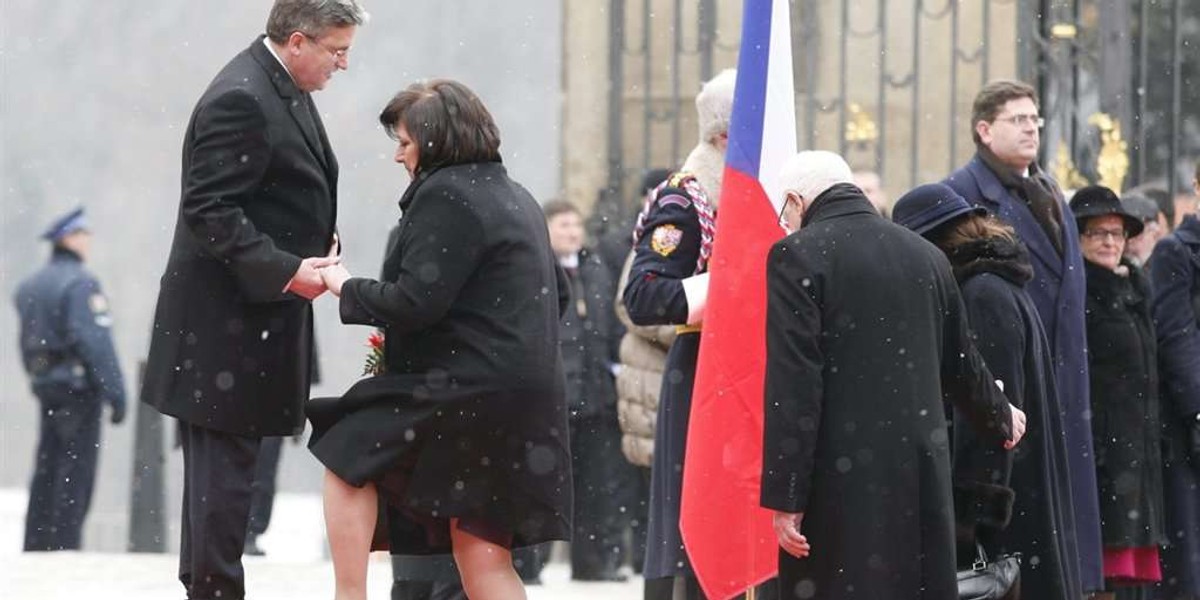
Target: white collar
[569, 262]
[267, 42]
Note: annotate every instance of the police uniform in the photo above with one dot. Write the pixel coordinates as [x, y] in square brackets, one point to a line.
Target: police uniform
[67, 349]
[673, 241]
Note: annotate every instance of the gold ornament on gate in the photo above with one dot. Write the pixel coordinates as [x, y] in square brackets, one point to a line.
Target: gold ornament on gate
[1064, 169]
[860, 128]
[1113, 162]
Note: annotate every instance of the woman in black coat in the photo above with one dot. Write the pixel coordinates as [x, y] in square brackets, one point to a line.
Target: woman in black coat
[1123, 366]
[465, 434]
[1007, 502]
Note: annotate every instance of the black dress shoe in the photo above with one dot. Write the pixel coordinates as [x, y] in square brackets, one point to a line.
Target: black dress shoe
[251, 548]
[612, 576]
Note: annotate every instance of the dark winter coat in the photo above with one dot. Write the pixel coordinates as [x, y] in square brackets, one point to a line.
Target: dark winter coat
[1123, 365]
[1033, 514]
[1057, 290]
[855, 429]
[590, 336]
[230, 350]
[1175, 273]
[469, 419]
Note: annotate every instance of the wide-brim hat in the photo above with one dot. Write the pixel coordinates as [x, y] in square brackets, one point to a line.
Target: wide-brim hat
[925, 207]
[1098, 201]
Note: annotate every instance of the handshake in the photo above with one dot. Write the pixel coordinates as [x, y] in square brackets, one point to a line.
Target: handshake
[318, 274]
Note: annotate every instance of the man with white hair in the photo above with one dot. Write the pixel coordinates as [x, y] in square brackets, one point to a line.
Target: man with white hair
[667, 285]
[856, 461]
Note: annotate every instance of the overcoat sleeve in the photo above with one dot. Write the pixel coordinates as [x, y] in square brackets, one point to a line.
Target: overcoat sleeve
[981, 466]
[664, 256]
[439, 251]
[966, 381]
[231, 151]
[89, 326]
[1172, 274]
[794, 392]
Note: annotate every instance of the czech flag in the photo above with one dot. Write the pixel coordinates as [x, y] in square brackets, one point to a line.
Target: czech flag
[729, 538]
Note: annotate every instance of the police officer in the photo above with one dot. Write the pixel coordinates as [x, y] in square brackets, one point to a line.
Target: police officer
[68, 353]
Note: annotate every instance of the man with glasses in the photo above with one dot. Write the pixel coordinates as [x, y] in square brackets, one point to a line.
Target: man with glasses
[231, 348]
[1004, 178]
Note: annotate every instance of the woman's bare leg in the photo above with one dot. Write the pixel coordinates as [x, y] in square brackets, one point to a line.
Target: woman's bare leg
[350, 514]
[486, 569]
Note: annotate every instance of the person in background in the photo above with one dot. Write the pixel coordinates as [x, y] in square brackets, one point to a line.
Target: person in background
[1028, 511]
[668, 283]
[643, 356]
[1123, 366]
[1175, 276]
[589, 335]
[67, 350]
[1005, 178]
[1139, 247]
[872, 186]
[1161, 197]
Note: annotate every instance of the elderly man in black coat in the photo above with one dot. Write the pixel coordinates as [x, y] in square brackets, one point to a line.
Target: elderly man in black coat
[230, 353]
[856, 457]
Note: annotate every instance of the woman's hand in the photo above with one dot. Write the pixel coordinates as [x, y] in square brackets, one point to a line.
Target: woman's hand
[334, 277]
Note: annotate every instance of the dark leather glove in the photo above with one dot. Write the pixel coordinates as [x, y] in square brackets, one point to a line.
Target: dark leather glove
[118, 413]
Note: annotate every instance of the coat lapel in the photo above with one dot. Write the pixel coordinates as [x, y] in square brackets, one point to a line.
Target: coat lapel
[299, 103]
[1012, 210]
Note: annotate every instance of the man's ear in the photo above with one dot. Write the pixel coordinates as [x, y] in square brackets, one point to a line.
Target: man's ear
[984, 130]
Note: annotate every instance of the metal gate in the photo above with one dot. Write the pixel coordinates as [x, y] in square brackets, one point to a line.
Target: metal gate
[889, 83]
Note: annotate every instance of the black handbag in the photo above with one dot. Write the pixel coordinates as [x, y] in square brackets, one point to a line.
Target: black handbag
[991, 580]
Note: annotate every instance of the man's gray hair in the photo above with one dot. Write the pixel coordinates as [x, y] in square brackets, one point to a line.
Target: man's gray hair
[312, 17]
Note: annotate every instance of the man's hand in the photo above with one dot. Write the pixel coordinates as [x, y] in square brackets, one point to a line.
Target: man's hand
[787, 531]
[334, 277]
[307, 282]
[1018, 428]
[118, 413]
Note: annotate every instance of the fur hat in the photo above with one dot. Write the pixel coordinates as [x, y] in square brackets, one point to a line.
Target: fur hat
[811, 172]
[714, 104]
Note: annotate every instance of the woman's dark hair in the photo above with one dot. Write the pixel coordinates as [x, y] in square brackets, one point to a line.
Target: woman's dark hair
[447, 121]
[971, 228]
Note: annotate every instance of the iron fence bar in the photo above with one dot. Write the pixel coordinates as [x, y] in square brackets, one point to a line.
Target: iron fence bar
[914, 144]
[954, 86]
[1143, 67]
[810, 57]
[708, 27]
[880, 142]
[616, 90]
[987, 47]
[1176, 96]
[646, 84]
[842, 62]
[677, 25]
[1074, 66]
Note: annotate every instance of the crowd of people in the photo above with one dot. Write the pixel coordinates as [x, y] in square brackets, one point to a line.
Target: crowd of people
[1029, 384]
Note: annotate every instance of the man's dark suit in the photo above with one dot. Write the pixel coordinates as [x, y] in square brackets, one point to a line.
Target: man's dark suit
[230, 354]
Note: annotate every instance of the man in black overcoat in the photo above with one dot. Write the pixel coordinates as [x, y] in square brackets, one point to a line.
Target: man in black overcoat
[856, 457]
[230, 352]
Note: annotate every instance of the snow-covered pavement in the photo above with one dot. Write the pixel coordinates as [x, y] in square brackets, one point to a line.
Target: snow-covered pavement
[293, 569]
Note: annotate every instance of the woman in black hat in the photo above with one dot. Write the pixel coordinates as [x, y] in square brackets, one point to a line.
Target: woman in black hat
[1123, 371]
[1018, 501]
